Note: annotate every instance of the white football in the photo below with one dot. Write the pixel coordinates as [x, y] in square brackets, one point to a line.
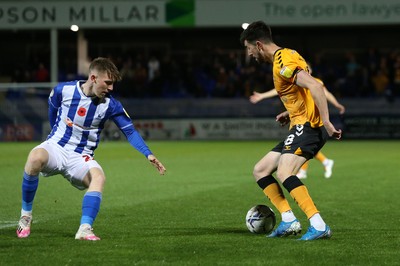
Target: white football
[260, 219]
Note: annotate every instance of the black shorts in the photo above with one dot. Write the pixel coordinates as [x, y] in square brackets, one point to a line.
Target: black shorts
[303, 140]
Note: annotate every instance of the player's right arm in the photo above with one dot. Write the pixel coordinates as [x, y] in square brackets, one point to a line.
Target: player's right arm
[283, 118]
[54, 101]
[257, 96]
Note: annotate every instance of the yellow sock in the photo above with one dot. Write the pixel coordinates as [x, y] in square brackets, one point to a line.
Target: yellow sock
[275, 195]
[303, 199]
[320, 157]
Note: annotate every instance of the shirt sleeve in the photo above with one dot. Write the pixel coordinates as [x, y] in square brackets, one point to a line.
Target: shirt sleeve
[124, 123]
[54, 103]
[290, 66]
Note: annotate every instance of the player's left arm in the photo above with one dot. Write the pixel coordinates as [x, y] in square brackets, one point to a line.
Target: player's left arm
[124, 123]
[257, 96]
[305, 80]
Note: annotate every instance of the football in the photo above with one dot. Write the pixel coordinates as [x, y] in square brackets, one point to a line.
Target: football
[260, 219]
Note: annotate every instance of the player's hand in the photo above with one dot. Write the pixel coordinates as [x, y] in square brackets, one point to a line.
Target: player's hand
[283, 118]
[256, 97]
[157, 164]
[332, 131]
[341, 109]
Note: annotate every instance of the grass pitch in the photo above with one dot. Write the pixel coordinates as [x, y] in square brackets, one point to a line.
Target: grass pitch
[195, 214]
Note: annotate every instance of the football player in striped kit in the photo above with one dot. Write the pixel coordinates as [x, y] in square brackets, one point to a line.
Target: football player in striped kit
[77, 113]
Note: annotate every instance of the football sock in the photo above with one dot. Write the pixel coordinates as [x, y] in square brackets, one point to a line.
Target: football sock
[304, 166]
[325, 162]
[90, 207]
[320, 157]
[300, 194]
[274, 192]
[29, 186]
[317, 222]
[288, 216]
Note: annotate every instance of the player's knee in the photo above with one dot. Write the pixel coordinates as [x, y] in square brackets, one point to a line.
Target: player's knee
[97, 177]
[259, 171]
[36, 161]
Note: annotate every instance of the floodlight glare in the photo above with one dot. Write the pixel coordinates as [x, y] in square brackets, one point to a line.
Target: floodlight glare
[74, 27]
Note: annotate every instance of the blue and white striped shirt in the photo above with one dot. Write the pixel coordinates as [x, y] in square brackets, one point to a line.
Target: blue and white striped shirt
[77, 121]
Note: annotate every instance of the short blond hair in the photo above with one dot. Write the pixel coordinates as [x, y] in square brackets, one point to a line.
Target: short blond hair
[105, 65]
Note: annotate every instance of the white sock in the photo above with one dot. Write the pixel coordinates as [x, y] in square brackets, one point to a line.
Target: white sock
[325, 162]
[301, 171]
[317, 222]
[26, 213]
[288, 216]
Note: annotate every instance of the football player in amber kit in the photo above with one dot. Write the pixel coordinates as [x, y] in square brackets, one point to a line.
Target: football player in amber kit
[310, 127]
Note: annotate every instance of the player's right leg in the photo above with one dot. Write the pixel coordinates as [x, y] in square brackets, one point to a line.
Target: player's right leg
[263, 174]
[37, 159]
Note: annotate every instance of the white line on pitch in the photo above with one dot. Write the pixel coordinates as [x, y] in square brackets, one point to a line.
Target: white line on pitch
[7, 224]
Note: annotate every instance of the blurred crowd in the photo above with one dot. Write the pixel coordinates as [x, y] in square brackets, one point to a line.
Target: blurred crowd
[228, 74]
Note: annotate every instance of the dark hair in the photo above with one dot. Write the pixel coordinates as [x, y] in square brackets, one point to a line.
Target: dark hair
[102, 64]
[256, 31]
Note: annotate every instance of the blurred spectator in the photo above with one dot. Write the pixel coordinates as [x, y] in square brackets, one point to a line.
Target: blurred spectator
[380, 81]
[396, 76]
[217, 72]
[42, 74]
[153, 66]
[139, 79]
[352, 75]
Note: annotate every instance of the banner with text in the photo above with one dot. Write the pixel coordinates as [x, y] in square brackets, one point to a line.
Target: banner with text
[211, 129]
[96, 14]
[298, 13]
[192, 13]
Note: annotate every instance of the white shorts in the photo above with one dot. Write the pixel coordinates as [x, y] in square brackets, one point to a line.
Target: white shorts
[71, 165]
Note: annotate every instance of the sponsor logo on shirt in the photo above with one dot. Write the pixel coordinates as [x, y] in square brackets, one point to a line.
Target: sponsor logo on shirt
[69, 122]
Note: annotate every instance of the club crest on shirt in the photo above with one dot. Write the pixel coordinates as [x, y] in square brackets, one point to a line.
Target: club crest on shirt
[81, 111]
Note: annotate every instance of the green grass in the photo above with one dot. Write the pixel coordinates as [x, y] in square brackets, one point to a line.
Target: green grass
[194, 215]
